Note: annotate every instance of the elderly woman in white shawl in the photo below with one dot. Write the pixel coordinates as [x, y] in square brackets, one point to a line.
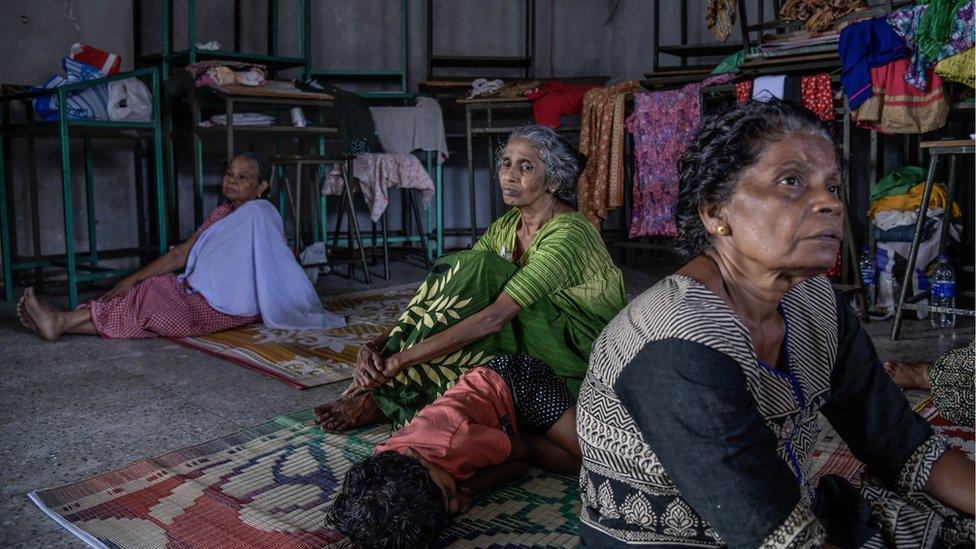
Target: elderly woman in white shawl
[239, 270]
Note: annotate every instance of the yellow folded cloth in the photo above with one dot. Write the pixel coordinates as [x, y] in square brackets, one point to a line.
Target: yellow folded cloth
[959, 68]
[911, 200]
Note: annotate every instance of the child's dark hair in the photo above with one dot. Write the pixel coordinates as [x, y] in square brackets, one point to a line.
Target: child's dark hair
[389, 500]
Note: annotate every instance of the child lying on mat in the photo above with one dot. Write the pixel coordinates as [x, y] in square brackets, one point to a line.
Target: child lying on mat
[481, 433]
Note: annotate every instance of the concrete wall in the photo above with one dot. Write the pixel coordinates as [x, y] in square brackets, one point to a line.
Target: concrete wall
[573, 38]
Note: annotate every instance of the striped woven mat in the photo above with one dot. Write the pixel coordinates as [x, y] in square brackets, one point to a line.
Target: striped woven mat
[308, 358]
[271, 485]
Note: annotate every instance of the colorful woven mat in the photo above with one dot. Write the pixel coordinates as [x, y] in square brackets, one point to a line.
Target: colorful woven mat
[308, 358]
[832, 456]
[271, 485]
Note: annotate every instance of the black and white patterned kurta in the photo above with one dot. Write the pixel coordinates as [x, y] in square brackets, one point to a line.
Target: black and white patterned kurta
[689, 440]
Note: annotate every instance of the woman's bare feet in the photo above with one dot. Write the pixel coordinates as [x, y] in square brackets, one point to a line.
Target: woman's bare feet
[38, 316]
[349, 412]
[909, 375]
[22, 314]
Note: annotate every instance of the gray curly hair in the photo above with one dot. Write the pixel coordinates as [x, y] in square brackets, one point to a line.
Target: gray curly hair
[562, 161]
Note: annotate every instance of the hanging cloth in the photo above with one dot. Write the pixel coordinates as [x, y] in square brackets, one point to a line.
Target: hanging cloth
[601, 185]
[663, 123]
[720, 16]
[898, 107]
[356, 127]
[908, 22]
[959, 68]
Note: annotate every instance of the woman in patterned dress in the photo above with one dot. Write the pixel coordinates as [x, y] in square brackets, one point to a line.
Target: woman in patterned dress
[950, 379]
[153, 302]
[699, 412]
[540, 282]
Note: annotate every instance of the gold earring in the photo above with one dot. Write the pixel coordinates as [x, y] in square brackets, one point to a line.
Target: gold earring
[722, 230]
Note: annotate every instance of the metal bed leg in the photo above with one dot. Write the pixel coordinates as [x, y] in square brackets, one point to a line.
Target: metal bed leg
[439, 197]
[35, 214]
[90, 205]
[947, 213]
[420, 226]
[916, 240]
[472, 203]
[339, 215]
[354, 226]
[7, 256]
[68, 204]
[386, 247]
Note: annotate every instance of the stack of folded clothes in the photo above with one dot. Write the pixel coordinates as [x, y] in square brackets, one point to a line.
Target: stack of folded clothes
[894, 214]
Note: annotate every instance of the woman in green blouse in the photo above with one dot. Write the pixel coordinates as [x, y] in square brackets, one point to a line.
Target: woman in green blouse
[540, 282]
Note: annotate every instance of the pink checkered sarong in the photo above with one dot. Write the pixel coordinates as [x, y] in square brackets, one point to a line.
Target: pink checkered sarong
[161, 306]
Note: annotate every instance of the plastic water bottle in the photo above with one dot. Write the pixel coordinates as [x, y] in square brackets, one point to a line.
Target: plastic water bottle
[943, 290]
[866, 266]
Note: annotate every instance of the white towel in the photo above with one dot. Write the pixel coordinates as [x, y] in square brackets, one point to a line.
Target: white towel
[243, 266]
[765, 88]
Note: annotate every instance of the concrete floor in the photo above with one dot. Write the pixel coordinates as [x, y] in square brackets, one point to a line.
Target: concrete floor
[82, 405]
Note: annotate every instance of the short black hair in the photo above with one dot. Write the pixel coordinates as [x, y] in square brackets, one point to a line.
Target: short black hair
[728, 141]
[389, 500]
[264, 169]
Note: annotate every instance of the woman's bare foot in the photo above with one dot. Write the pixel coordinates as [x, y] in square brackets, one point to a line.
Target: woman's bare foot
[349, 412]
[909, 375]
[39, 316]
[22, 314]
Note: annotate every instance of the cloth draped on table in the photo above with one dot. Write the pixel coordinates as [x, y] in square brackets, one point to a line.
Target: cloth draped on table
[865, 45]
[909, 23]
[959, 68]
[356, 125]
[662, 125]
[225, 72]
[163, 306]
[898, 107]
[242, 266]
[553, 99]
[566, 284]
[402, 130]
[601, 185]
[375, 173]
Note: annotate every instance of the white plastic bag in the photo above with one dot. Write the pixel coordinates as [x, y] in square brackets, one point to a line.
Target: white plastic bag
[129, 100]
[312, 255]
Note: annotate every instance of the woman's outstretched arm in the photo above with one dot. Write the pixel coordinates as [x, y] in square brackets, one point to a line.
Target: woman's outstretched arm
[483, 323]
[172, 260]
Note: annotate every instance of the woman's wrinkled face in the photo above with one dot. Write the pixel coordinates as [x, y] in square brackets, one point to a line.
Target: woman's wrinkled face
[521, 174]
[785, 213]
[242, 181]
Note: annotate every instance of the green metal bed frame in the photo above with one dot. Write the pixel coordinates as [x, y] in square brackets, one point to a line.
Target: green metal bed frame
[64, 130]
